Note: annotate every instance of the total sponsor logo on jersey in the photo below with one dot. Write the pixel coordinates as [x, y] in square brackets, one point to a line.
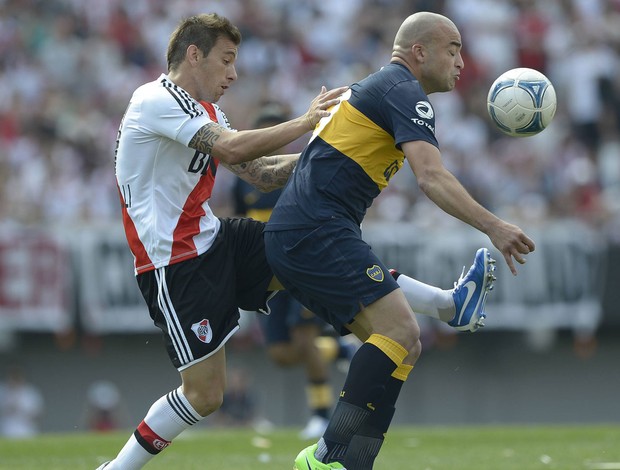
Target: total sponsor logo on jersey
[425, 112]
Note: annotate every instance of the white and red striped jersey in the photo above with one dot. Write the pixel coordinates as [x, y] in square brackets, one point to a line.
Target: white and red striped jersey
[164, 185]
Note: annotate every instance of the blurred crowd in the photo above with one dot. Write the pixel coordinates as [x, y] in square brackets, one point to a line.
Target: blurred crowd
[68, 68]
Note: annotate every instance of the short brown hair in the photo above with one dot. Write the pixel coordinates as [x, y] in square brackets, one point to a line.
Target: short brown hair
[202, 31]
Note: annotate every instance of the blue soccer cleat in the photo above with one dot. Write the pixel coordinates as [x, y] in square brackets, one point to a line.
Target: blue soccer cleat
[470, 293]
[307, 461]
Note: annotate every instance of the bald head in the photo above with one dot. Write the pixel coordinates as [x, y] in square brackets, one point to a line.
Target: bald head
[421, 28]
[429, 45]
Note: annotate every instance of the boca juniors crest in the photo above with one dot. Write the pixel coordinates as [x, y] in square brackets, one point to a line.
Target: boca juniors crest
[375, 273]
[203, 331]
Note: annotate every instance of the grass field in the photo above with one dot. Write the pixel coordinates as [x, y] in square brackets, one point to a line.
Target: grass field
[407, 448]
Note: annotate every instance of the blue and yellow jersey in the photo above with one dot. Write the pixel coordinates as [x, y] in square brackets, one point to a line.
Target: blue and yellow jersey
[354, 152]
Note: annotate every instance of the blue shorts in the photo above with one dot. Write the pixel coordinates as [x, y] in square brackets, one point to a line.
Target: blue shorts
[329, 269]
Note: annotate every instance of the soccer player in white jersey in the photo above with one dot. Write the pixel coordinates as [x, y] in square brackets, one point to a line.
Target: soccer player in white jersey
[194, 269]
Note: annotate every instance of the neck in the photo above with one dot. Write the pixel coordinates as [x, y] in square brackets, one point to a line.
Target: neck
[178, 79]
[400, 59]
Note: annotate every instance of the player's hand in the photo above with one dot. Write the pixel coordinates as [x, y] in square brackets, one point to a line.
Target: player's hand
[512, 243]
[321, 103]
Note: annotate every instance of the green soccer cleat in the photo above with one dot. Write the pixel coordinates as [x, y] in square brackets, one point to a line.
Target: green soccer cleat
[307, 461]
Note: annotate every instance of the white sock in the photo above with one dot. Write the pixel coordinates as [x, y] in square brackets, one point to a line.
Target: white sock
[426, 299]
[166, 419]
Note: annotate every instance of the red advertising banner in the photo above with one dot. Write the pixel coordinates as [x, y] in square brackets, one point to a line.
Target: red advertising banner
[35, 282]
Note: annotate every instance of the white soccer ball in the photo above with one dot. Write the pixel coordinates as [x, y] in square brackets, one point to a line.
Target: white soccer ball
[521, 102]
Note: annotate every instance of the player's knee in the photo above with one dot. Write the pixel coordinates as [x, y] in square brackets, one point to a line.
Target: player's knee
[407, 334]
[414, 350]
[205, 402]
[414, 353]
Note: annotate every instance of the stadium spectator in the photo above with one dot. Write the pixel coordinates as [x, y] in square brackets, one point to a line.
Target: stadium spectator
[21, 406]
[103, 407]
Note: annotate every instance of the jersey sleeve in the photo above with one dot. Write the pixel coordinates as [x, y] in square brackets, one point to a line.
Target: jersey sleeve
[167, 115]
[409, 113]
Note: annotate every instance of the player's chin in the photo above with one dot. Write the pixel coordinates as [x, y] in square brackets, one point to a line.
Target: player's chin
[450, 85]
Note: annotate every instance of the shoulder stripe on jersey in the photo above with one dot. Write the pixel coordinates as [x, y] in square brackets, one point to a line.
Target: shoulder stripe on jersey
[175, 330]
[186, 102]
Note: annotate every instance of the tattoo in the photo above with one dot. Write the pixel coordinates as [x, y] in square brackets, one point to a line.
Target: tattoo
[266, 173]
[205, 138]
[279, 174]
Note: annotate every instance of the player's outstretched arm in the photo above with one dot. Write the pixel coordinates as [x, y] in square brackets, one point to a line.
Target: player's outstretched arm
[237, 147]
[444, 189]
[266, 173]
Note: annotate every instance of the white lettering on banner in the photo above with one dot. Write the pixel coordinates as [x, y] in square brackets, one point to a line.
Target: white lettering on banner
[35, 278]
[110, 300]
[118, 284]
[558, 287]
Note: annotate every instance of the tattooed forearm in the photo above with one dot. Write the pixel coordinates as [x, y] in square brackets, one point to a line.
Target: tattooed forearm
[266, 173]
[277, 174]
[205, 138]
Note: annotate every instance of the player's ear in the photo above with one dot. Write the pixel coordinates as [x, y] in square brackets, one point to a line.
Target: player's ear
[193, 54]
[419, 52]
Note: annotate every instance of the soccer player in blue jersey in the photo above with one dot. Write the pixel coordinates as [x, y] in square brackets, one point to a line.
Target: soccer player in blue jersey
[314, 245]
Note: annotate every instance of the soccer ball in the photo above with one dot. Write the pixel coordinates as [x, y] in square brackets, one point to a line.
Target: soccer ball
[521, 102]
